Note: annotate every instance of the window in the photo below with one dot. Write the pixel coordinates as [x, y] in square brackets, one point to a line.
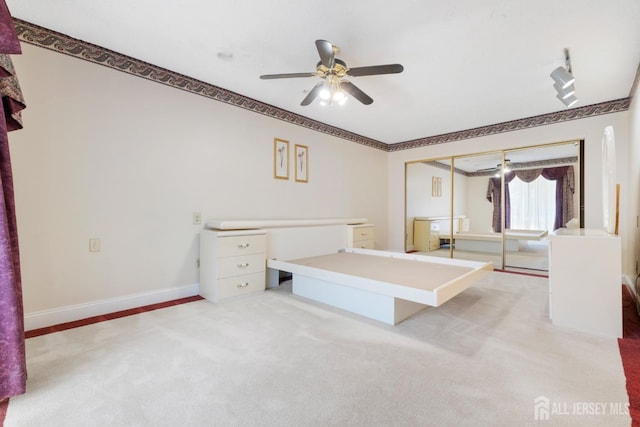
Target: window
[533, 205]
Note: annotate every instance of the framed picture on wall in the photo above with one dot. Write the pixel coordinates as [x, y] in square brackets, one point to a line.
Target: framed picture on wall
[302, 163]
[436, 186]
[280, 158]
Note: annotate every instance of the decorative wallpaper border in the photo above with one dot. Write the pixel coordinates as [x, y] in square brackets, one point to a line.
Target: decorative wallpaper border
[530, 122]
[58, 42]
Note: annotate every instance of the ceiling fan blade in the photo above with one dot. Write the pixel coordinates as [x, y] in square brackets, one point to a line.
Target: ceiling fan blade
[286, 76]
[375, 69]
[312, 94]
[354, 91]
[325, 49]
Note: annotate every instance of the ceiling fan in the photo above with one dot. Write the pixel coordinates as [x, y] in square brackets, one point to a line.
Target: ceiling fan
[507, 167]
[333, 73]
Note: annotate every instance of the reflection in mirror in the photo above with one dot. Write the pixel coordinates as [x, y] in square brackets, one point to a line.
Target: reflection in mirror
[428, 195]
[541, 195]
[454, 205]
[477, 236]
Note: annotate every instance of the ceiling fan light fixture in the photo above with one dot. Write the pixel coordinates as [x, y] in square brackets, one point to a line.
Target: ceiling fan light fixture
[338, 96]
[501, 170]
[325, 93]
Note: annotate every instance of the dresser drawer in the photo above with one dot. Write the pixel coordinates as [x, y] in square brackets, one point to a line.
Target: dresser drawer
[241, 245]
[363, 233]
[243, 264]
[435, 242]
[239, 285]
[364, 244]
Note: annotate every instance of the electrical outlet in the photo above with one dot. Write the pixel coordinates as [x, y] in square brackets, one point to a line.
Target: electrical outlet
[94, 244]
[197, 218]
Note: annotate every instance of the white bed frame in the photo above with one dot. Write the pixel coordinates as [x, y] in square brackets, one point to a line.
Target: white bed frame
[516, 240]
[385, 286]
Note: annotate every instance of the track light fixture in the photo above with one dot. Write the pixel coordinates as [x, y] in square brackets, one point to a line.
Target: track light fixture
[562, 77]
[569, 101]
[565, 92]
[564, 80]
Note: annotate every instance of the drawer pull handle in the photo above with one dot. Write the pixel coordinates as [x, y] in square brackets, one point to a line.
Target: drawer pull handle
[243, 245]
[243, 285]
[246, 264]
[363, 234]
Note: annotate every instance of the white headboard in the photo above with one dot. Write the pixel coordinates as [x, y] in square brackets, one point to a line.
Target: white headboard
[289, 239]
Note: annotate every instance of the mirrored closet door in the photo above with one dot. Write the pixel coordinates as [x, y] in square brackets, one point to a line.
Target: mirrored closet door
[476, 211]
[496, 206]
[428, 193]
[541, 195]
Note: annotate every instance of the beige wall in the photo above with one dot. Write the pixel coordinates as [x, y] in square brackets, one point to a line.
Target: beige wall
[105, 154]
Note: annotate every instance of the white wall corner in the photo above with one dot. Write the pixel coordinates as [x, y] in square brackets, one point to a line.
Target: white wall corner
[628, 281]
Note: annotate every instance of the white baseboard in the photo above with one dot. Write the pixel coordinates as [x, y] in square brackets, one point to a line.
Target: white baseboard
[56, 316]
[628, 281]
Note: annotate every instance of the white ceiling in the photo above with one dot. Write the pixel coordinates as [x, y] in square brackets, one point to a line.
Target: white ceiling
[468, 63]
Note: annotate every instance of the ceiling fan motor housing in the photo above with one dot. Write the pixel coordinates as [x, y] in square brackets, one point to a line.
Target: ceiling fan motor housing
[339, 69]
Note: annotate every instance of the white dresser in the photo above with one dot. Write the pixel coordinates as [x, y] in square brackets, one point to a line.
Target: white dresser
[361, 236]
[585, 281]
[232, 263]
[285, 239]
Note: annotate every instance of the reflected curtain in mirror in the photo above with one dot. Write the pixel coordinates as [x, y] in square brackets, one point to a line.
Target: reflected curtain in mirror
[565, 187]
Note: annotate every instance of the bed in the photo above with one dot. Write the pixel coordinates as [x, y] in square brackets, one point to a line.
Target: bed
[385, 286]
[516, 240]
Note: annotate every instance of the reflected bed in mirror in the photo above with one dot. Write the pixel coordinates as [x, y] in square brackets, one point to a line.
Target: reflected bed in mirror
[515, 240]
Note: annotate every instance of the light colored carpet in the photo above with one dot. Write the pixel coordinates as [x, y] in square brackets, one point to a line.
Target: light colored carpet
[273, 359]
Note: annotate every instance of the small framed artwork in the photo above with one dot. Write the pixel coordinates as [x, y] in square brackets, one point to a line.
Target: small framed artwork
[280, 158]
[302, 163]
[436, 186]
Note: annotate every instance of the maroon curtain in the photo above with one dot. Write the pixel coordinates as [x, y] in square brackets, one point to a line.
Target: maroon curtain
[13, 374]
[494, 195]
[565, 187]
